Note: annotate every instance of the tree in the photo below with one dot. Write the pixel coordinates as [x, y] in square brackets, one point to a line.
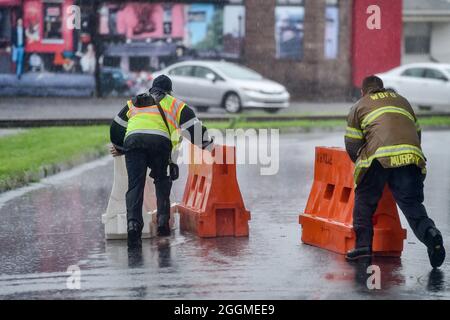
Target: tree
[214, 35]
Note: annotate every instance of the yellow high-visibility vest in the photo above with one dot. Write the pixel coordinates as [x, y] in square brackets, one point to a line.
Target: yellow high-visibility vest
[148, 120]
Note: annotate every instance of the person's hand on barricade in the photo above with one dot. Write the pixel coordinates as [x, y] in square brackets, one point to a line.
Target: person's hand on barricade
[114, 151]
[209, 145]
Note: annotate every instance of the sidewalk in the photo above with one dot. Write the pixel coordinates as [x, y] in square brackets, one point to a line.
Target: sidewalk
[91, 108]
[46, 84]
[8, 132]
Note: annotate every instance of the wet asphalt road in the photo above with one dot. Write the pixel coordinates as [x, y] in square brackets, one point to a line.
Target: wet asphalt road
[57, 223]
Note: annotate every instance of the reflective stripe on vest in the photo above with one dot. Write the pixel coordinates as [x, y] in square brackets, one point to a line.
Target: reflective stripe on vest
[149, 131]
[388, 151]
[153, 110]
[175, 107]
[120, 121]
[149, 120]
[389, 109]
[354, 133]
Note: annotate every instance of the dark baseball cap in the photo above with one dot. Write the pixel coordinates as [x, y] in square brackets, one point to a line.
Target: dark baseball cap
[162, 83]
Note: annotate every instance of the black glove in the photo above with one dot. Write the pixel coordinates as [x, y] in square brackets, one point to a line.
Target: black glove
[208, 145]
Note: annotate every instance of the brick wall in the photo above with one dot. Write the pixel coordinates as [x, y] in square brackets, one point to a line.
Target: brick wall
[314, 77]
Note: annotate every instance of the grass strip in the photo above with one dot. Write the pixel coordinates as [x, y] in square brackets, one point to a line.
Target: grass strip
[35, 153]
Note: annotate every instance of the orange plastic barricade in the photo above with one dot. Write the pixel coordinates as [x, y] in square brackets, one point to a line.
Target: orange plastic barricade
[328, 218]
[212, 204]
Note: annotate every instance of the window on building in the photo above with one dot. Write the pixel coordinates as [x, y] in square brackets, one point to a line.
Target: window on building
[331, 46]
[52, 21]
[289, 32]
[417, 37]
[5, 27]
[111, 61]
[167, 19]
[138, 64]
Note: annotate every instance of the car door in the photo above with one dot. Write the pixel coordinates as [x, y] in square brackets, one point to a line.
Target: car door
[182, 83]
[209, 86]
[437, 86]
[409, 84]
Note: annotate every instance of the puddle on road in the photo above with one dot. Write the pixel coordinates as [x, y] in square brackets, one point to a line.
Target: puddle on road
[57, 223]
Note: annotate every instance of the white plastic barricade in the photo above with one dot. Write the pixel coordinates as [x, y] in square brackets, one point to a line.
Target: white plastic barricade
[115, 218]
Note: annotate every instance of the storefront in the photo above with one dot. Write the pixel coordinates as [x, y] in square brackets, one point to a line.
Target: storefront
[317, 48]
[10, 10]
[54, 49]
[138, 38]
[51, 45]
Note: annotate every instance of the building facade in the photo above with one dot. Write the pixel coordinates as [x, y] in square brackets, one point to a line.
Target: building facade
[426, 31]
[319, 49]
[321, 69]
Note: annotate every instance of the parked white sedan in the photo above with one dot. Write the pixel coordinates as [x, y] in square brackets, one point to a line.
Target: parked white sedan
[425, 85]
[219, 84]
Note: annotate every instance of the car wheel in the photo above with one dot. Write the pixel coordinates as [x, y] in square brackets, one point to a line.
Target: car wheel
[272, 110]
[232, 103]
[202, 109]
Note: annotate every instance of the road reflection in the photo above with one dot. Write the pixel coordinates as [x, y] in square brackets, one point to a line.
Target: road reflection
[383, 271]
[135, 258]
[436, 281]
[45, 230]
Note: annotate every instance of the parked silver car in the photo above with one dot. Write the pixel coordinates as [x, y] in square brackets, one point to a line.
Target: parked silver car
[426, 85]
[219, 84]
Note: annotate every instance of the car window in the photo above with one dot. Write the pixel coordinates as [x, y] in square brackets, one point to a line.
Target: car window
[238, 72]
[201, 72]
[184, 71]
[434, 74]
[414, 72]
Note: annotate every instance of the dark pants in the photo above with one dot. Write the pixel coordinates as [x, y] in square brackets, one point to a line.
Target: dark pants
[142, 152]
[406, 185]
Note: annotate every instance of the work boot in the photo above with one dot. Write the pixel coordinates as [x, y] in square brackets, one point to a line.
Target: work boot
[359, 253]
[134, 235]
[164, 231]
[435, 247]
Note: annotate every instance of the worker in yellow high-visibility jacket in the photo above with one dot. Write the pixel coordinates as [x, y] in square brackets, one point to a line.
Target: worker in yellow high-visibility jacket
[141, 133]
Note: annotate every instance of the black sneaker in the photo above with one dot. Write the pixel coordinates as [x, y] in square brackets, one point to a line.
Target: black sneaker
[134, 235]
[359, 253]
[163, 231]
[436, 251]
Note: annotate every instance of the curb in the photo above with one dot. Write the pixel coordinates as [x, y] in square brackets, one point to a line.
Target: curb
[31, 123]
